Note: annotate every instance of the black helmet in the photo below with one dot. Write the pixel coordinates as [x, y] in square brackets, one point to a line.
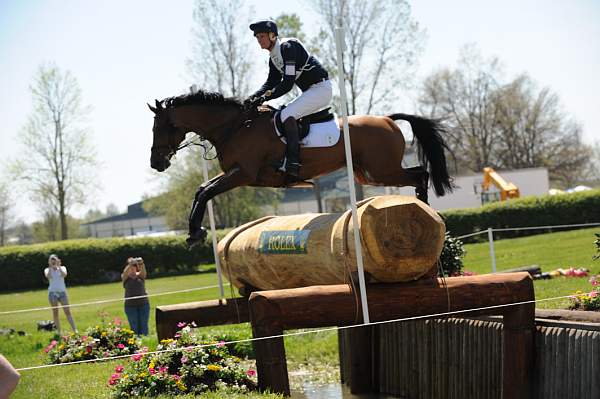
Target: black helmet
[264, 26]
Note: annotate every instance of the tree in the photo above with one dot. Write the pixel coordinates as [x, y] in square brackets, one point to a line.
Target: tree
[5, 211]
[383, 44]
[464, 98]
[220, 58]
[57, 161]
[509, 125]
[232, 208]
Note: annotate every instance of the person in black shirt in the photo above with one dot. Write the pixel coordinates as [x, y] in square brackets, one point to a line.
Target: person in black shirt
[289, 64]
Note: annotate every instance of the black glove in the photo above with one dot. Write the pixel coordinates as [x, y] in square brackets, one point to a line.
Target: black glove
[252, 102]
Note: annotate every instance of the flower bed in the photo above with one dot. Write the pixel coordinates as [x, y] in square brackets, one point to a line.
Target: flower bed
[188, 364]
[100, 341]
[588, 300]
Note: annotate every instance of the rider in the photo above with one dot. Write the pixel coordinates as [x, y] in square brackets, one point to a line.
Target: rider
[291, 63]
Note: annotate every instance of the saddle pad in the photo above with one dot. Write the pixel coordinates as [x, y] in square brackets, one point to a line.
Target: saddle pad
[323, 134]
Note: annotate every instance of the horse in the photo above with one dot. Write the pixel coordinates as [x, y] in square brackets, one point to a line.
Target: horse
[248, 149]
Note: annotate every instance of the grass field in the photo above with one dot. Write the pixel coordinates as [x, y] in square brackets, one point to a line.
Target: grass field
[311, 357]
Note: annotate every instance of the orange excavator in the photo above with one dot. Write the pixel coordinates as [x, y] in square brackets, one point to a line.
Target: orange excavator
[507, 189]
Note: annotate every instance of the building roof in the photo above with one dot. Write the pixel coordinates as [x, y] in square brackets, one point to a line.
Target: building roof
[134, 211]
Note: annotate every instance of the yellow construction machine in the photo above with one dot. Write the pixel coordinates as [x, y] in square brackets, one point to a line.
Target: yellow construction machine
[507, 189]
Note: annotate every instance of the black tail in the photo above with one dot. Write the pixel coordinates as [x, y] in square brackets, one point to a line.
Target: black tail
[431, 150]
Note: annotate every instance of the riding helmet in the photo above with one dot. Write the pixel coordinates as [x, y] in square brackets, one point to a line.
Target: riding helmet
[264, 26]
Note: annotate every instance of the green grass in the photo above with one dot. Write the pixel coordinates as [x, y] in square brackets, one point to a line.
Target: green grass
[549, 251]
[89, 380]
[311, 353]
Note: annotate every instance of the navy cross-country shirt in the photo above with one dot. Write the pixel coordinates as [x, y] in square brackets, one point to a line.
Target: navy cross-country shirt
[290, 63]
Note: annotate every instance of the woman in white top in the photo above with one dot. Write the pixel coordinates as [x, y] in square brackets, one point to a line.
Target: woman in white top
[57, 291]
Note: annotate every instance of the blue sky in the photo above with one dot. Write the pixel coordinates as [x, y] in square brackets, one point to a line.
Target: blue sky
[126, 53]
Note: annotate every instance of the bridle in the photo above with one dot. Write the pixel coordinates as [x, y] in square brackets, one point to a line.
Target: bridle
[172, 147]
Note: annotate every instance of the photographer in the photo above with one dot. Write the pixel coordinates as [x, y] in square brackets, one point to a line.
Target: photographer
[136, 309]
[55, 273]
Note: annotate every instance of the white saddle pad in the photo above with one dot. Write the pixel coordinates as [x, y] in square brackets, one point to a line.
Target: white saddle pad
[324, 134]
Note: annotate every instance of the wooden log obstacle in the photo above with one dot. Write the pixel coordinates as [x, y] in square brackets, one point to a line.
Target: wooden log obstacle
[401, 238]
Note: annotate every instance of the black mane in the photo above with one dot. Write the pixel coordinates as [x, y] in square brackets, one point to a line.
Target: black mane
[201, 97]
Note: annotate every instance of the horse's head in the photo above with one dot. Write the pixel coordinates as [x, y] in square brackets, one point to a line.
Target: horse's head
[167, 138]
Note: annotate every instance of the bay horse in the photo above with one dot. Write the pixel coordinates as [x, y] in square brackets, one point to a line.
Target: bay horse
[248, 150]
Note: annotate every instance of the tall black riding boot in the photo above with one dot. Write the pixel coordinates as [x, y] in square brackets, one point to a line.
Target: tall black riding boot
[292, 165]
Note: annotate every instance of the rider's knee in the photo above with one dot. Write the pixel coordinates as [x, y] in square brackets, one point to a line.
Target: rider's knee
[290, 121]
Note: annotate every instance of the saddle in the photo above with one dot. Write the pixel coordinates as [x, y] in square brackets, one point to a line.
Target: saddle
[303, 123]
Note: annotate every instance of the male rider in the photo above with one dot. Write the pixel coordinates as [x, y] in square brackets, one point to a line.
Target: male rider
[291, 63]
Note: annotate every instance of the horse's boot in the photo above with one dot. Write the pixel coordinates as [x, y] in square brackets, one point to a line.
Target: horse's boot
[292, 153]
[196, 237]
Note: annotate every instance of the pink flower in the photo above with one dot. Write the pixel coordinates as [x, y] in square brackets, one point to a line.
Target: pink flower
[189, 348]
[117, 321]
[181, 324]
[144, 349]
[120, 346]
[119, 368]
[111, 382]
[220, 344]
[176, 377]
[115, 376]
[250, 373]
[184, 359]
[177, 335]
[162, 369]
[53, 342]
[136, 357]
[593, 294]
[151, 370]
[106, 354]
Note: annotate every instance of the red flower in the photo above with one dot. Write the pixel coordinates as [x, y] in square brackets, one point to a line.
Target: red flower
[119, 368]
[136, 357]
[250, 373]
[88, 349]
[120, 346]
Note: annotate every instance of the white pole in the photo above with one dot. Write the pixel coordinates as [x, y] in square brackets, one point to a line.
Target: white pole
[492, 253]
[339, 36]
[213, 231]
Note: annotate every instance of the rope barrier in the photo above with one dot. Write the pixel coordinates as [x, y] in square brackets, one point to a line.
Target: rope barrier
[304, 332]
[530, 228]
[109, 300]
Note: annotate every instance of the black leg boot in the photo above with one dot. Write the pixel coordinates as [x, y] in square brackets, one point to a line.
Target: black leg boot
[292, 166]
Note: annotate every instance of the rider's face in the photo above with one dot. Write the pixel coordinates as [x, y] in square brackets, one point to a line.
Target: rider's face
[263, 40]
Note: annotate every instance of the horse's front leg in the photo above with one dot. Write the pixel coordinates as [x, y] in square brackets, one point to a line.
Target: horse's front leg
[195, 229]
[220, 184]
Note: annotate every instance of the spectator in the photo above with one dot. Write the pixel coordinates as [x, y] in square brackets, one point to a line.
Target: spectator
[134, 282]
[55, 273]
[9, 378]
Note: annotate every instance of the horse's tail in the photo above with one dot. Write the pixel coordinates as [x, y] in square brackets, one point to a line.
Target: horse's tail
[431, 150]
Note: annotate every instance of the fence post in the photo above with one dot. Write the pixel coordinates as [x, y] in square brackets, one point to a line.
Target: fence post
[492, 253]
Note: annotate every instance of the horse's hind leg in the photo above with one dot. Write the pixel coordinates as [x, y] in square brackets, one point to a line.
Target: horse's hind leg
[416, 177]
[422, 176]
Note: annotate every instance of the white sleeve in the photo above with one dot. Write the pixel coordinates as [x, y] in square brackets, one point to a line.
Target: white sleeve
[64, 269]
[46, 272]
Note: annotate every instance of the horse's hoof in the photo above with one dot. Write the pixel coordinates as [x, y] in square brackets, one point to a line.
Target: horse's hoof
[196, 237]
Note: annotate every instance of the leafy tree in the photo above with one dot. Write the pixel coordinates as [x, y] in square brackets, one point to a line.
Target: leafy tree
[57, 161]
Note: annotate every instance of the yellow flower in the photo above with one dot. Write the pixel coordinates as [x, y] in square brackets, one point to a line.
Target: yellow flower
[151, 365]
[104, 333]
[213, 367]
[166, 341]
[180, 385]
[131, 341]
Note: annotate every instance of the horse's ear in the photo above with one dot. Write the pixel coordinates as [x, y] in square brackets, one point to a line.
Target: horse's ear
[151, 108]
[158, 104]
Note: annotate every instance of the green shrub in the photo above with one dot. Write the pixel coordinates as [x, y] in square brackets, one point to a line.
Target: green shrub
[547, 210]
[92, 261]
[451, 257]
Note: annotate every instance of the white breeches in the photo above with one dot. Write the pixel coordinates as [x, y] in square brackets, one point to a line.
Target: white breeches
[316, 98]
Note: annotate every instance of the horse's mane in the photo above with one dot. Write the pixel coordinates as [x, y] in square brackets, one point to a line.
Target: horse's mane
[201, 97]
